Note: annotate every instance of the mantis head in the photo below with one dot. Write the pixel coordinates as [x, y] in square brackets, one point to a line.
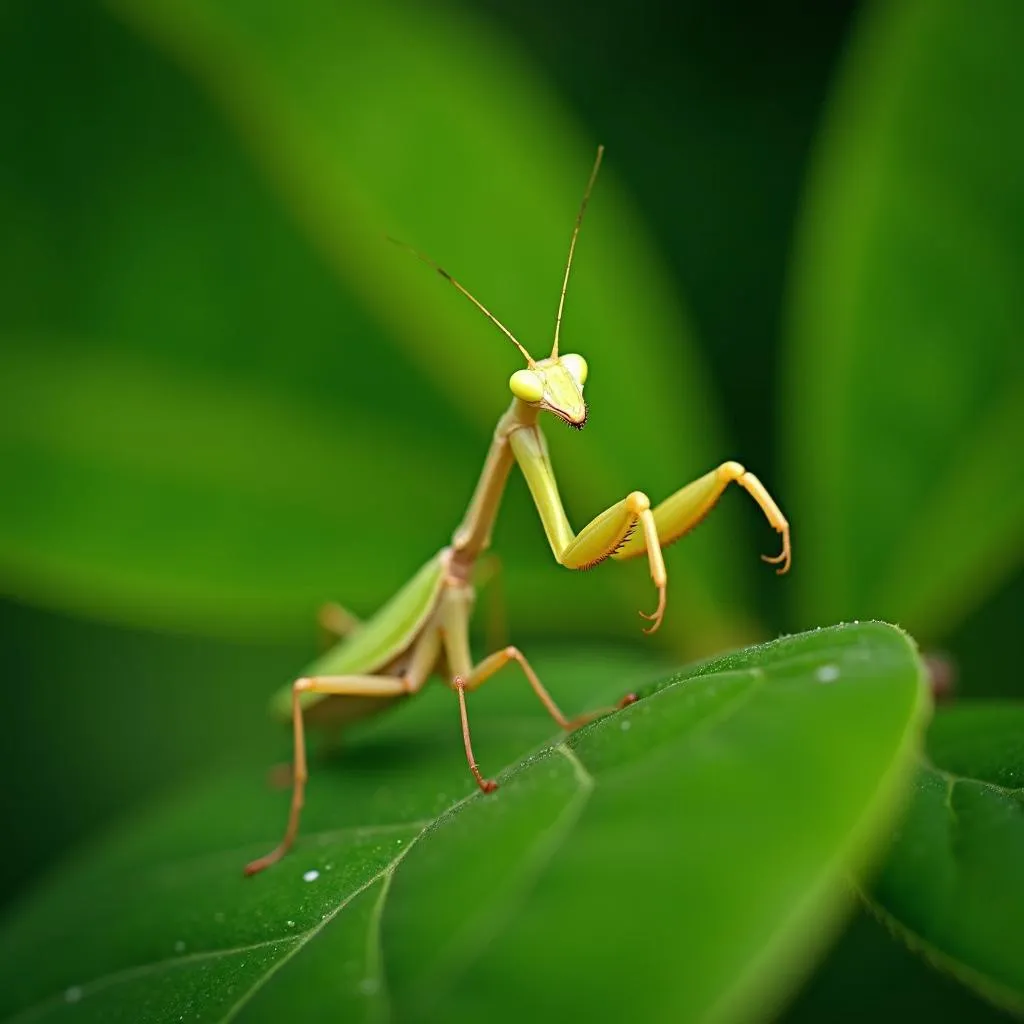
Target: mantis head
[554, 384]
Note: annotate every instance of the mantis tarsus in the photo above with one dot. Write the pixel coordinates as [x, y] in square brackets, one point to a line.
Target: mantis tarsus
[425, 626]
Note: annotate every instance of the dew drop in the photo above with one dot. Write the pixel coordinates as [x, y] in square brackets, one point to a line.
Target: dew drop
[291, 924]
[179, 946]
[73, 994]
[625, 725]
[368, 986]
[827, 674]
[311, 876]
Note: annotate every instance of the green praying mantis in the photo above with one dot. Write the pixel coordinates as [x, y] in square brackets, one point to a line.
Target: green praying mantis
[424, 628]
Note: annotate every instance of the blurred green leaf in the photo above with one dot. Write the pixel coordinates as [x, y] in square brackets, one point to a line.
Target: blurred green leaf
[164, 500]
[905, 396]
[697, 840]
[953, 884]
[462, 153]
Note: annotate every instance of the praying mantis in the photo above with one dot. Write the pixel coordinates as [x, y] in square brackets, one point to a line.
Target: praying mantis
[424, 628]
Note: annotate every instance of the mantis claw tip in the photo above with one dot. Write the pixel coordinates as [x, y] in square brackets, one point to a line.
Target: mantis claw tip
[656, 617]
[784, 556]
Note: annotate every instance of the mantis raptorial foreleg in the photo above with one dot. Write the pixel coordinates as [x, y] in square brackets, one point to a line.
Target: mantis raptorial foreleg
[613, 533]
[603, 535]
[607, 532]
[422, 660]
[681, 512]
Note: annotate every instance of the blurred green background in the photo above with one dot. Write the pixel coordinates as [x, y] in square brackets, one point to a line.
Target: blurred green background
[224, 400]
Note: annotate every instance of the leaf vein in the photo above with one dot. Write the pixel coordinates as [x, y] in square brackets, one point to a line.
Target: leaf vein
[375, 978]
[141, 970]
[385, 873]
[952, 779]
[303, 940]
[471, 941]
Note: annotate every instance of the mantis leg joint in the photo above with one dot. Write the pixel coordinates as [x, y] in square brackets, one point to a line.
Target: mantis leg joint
[637, 502]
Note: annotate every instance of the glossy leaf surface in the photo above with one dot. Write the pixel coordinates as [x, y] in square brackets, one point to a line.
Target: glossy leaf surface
[684, 857]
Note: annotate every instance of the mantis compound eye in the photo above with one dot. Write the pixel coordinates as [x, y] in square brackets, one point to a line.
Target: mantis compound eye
[527, 385]
[577, 366]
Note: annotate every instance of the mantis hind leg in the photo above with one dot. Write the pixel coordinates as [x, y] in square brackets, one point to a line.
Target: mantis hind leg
[423, 658]
[335, 623]
[682, 511]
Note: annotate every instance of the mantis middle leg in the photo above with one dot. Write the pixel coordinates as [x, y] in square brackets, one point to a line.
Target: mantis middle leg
[466, 678]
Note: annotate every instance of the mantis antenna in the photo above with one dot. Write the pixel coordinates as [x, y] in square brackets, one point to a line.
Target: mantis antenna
[476, 302]
[572, 248]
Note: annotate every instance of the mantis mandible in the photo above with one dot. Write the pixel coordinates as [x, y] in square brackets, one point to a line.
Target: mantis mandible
[425, 627]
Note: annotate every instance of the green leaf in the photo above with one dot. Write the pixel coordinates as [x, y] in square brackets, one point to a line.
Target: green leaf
[683, 858]
[870, 974]
[906, 370]
[953, 884]
[122, 483]
[167, 247]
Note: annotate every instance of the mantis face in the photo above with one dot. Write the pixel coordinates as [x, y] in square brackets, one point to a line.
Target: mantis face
[555, 384]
